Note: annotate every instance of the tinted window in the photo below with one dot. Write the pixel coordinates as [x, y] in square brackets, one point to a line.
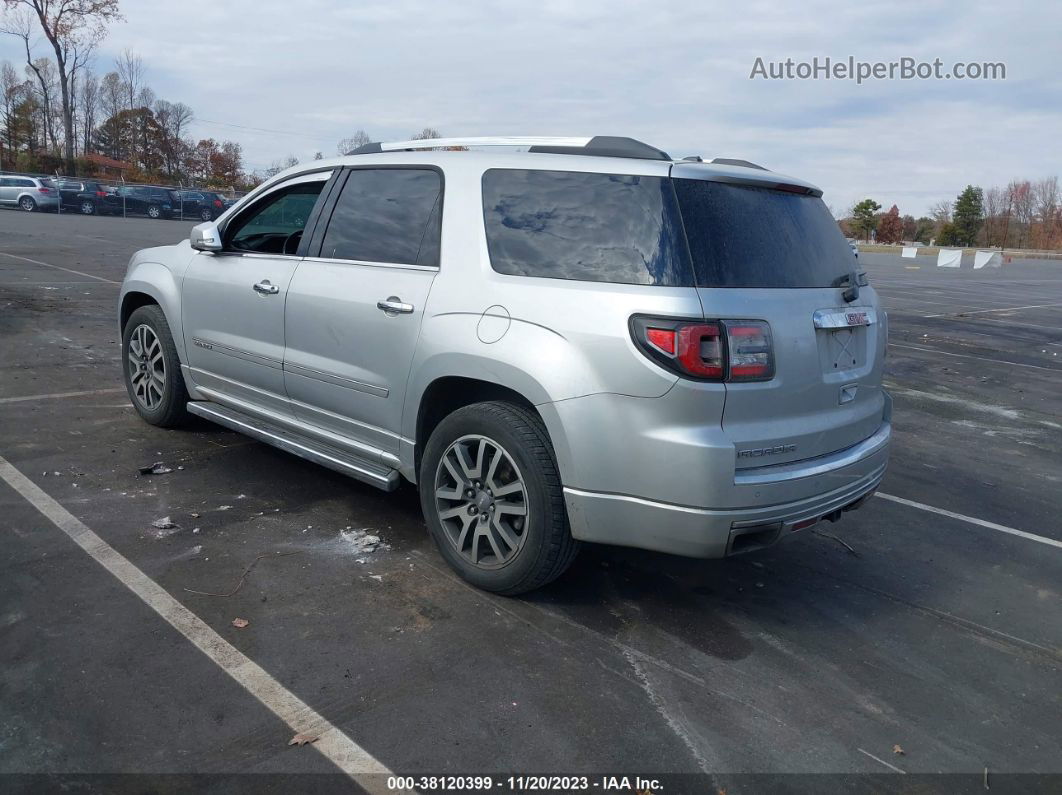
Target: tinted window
[754, 237]
[25, 183]
[387, 215]
[274, 225]
[591, 227]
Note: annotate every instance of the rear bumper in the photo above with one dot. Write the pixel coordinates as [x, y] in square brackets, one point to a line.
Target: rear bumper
[831, 484]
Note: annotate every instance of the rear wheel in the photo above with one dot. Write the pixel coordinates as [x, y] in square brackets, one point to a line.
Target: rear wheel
[88, 208]
[492, 498]
[27, 203]
[154, 211]
[152, 368]
[206, 215]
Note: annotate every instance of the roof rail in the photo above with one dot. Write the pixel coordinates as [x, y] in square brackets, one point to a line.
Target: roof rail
[729, 161]
[598, 145]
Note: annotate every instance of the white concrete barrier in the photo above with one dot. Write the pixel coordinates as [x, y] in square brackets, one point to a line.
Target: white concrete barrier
[910, 252]
[987, 259]
[949, 258]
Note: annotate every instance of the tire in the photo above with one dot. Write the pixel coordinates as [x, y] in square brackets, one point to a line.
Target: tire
[206, 215]
[88, 208]
[27, 203]
[153, 211]
[543, 546]
[159, 396]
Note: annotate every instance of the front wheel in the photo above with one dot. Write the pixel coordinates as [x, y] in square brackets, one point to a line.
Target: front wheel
[152, 368]
[492, 498]
[27, 203]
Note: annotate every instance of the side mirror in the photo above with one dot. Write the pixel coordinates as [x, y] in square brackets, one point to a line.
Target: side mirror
[206, 237]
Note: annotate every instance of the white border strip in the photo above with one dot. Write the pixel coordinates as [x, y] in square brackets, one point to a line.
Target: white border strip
[336, 746]
[979, 522]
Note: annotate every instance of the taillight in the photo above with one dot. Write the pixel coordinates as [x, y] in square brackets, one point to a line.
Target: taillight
[749, 346]
[714, 350]
[100, 194]
[217, 203]
[44, 190]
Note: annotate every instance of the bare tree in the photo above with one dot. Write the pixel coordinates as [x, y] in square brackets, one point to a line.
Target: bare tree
[73, 28]
[1045, 197]
[88, 104]
[347, 145]
[131, 70]
[426, 133]
[12, 89]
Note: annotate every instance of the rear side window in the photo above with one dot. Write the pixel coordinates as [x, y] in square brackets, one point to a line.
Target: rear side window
[742, 236]
[585, 226]
[387, 215]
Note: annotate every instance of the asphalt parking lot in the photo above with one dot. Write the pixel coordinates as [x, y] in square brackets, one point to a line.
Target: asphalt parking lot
[921, 634]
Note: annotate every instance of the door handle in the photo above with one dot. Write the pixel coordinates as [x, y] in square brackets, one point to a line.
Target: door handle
[394, 306]
[265, 287]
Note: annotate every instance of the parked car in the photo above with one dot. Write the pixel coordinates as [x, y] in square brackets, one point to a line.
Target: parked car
[855, 248]
[590, 342]
[28, 193]
[205, 205]
[151, 201]
[87, 197]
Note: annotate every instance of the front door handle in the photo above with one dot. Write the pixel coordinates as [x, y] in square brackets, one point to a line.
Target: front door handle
[394, 306]
[265, 287]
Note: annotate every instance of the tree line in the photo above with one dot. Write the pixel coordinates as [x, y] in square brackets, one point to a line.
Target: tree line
[55, 111]
[1024, 214]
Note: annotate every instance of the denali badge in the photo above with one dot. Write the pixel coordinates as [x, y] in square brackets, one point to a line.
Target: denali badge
[762, 451]
[202, 344]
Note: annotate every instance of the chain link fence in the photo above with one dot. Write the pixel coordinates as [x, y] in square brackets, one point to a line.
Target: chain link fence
[66, 195]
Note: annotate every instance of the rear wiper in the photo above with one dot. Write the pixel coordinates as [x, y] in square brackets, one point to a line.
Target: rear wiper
[853, 281]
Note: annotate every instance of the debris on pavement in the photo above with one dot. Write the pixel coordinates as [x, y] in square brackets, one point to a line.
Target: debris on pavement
[302, 739]
[243, 577]
[361, 542]
[240, 623]
[898, 751]
[165, 527]
[224, 507]
[158, 468]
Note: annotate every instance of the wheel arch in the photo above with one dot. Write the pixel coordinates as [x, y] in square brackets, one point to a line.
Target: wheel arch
[153, 283]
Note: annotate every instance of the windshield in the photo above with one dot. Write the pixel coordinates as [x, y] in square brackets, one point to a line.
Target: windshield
[741, 236]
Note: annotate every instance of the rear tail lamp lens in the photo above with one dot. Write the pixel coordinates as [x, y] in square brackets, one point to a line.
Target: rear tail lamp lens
[715, 350]
[751, 356]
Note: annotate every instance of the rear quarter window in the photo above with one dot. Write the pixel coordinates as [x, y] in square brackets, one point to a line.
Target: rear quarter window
[742, 236]
[593, 227]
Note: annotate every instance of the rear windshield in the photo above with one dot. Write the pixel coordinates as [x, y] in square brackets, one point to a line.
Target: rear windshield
[591, 227]
[742, 236]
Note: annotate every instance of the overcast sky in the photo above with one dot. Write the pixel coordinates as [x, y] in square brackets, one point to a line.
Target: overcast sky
[674, 74]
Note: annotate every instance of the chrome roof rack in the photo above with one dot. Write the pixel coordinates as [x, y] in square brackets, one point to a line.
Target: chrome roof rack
[598, 145]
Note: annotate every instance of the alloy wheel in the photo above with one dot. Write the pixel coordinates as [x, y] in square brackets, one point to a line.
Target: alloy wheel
[481, 501]
[87, 208]
[28, 204]
[147, 367]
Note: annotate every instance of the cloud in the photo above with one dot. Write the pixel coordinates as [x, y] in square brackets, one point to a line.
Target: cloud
[675, 74]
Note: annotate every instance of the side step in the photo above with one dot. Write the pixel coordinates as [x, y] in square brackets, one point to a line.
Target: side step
[370, 472]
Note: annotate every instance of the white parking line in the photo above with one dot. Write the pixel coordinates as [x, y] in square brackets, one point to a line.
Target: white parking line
[971, 520]
[336, 746]
[970, 356]
[58, 267]
[1002, 309]
[54, 395]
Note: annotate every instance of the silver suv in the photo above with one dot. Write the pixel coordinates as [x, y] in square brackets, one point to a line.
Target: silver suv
[28, 193]
[583, 341]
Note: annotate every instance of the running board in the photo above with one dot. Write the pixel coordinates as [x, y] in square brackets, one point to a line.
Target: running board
[375, 474]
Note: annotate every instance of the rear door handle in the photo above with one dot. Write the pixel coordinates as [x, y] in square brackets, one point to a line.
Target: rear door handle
[394, 306]
[265, 287]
